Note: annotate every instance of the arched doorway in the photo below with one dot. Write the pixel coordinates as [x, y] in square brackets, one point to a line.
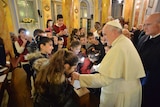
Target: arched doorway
[85, 17]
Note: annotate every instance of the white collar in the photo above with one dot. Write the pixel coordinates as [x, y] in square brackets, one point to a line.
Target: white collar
[154, 36]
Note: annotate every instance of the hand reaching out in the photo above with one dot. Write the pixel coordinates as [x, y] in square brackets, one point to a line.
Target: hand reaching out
[75, 76]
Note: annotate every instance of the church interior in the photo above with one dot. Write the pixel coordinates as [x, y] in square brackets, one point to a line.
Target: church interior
[15, 89]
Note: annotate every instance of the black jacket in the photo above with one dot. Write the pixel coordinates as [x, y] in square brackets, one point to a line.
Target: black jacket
[61, 95]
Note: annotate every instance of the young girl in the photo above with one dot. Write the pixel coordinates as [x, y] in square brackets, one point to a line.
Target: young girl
[49, 25]
[52, 86]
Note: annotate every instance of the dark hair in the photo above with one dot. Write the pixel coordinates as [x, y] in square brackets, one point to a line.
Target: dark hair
[89, 34]
[75, 44]
[92, 50]
[46, 31]
[42, 40]
[59, 16]
[48, 22]
[98, 23]
[21, 29]
[73, 34]
[93, 53]
[80, 28]
[81, 36]
[37, 32]
[105, 44]
[74, 31]
[60, 38]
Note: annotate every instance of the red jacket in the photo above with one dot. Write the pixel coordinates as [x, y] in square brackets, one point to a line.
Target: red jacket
[85, 68]
[57, 29]
[25, 52]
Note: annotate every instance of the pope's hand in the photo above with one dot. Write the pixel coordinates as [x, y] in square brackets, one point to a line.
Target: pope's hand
[75, 76]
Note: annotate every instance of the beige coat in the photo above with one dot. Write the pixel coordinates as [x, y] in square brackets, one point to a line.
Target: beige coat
[119, 74]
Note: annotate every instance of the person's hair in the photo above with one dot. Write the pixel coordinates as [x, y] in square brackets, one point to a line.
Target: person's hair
[21, 29]
[75, 44]
[105, 44]
[47, 31]
[98, 23]
[89, 34]
[60, 38]
[74, 31]
[81, 36]
[94, 54]
[42, 40]
[37, 32]
[59, 16]
[53, 71]
[92, 50]
[73, 34]
[80, 28]
[48, 22]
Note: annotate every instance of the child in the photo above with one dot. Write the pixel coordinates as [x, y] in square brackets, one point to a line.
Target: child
[45, 47]
[61, 29]
[52, 86]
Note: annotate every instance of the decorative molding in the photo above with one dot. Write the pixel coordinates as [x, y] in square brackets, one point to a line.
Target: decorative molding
[46, 7]
[4, 3]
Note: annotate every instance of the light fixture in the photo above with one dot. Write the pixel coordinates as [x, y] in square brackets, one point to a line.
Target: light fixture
[137, 7]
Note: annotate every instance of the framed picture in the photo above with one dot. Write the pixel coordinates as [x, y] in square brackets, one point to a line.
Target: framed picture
[151, 3]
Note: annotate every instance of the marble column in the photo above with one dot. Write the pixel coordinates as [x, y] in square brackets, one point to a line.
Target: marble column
[46, 8]
[67, 13]
[105, 10]
[6, 26]
[96, 11]
[128, 11]
[76, 13]
[71, 13]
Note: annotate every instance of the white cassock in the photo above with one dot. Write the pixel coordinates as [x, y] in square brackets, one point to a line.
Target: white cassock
[119, 76]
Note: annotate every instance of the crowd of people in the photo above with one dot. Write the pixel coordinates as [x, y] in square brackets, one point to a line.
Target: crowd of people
[123, 64]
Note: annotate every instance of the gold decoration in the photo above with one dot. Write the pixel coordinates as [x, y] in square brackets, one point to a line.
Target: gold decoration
[27, 20]
[4, 3]
[47, 8]
[76, 10]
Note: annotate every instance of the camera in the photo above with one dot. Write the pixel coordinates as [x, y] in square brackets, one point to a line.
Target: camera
[53, 33]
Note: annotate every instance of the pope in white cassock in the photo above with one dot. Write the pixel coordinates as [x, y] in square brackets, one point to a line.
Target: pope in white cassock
[119, 72]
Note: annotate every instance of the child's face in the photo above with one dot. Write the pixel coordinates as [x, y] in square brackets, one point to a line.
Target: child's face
[91, 39]
[49, 34]
[60, 44]
[50, 23]
[23, 34]
[60, 21]
[76, 50]
[47, 48]
[69, 69]
[83, 41]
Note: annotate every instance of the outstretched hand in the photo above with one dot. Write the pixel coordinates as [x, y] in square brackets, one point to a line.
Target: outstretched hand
[75, 76]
